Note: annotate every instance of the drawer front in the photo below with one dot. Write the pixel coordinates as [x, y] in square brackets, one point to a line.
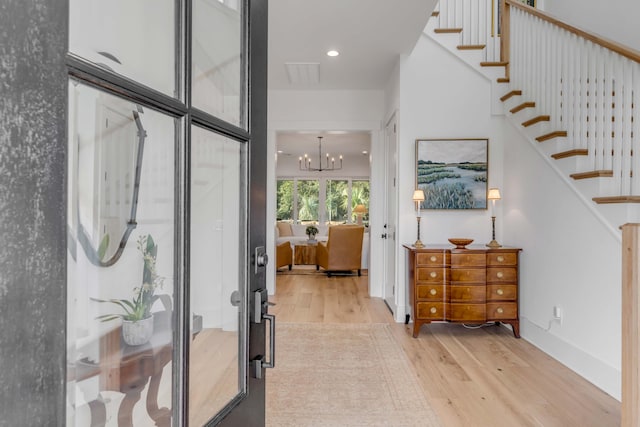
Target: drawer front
[502, 258]
[502, 310]
[467, 312]
[426, 274]
[430, 259]
[430, 310]
[430, 292]
[468, 260]
[468, 275]
[472, 293]
[498, 274]
[502, 292]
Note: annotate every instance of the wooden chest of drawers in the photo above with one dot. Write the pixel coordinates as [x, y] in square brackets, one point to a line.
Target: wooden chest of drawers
[474, 285]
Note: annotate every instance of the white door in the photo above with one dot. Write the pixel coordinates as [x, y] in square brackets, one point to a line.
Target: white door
[389, 233]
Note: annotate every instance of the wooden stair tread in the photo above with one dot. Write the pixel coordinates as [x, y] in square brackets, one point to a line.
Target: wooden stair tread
[535, 120]
[571, 153]
[528, 104]
[447, 30]
[471, 47]
[435, 13]
[617, 199]
[551, 135]
[503, 80]
[510, 94]
[592, 174]
[494, 64]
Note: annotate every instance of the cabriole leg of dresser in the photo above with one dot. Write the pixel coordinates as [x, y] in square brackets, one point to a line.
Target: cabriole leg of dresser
[416, 326]
[515, 325]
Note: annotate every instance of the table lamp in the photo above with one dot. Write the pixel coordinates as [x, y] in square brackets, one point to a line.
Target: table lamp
[493, 195]
[359, 210]
[418, 197]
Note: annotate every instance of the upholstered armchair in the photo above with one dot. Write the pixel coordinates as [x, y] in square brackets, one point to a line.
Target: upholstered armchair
[284, 255]
[343, 249]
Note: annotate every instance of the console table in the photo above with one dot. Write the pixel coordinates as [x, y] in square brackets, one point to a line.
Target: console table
[473, 285]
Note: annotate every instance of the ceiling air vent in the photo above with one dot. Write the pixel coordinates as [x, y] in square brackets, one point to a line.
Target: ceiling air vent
[305, 73]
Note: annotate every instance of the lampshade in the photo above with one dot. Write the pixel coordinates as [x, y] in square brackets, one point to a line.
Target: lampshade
[418, 196]
[360, 209]
[494, 194]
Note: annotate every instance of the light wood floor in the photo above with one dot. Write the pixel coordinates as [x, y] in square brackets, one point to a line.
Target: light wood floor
[480, 377]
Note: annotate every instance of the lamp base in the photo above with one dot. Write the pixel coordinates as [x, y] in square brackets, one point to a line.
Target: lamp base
[418, 244]
[494, 244]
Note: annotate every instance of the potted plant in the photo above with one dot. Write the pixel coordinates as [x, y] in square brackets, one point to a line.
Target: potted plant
[137, 319]
[311, 231]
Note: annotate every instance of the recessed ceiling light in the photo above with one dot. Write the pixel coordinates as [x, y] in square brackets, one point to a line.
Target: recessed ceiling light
[365, 152]
[333, 53]
[280, 151]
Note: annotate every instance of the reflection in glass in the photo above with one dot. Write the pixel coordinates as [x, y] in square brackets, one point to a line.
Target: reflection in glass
[133, 38]
[218, 63]
[216, 283]
[119, 330]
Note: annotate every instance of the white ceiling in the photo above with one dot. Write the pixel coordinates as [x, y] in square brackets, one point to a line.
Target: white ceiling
[369, 34]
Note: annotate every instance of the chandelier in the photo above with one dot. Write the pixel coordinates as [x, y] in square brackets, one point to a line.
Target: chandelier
[304, 163]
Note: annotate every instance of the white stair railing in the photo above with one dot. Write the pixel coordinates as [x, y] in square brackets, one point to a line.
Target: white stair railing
[587, 85]
[478, 18]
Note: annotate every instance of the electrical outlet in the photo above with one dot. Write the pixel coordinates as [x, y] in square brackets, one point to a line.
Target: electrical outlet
[557, 313]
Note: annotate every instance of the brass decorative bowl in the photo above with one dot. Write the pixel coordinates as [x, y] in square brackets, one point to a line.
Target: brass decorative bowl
[460, 243]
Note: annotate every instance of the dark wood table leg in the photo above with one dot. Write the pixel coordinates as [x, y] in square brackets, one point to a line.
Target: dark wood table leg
[162, 416]
[98, 412]
[131, 397]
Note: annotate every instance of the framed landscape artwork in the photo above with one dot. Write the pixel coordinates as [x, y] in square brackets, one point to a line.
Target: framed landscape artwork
[452, 173]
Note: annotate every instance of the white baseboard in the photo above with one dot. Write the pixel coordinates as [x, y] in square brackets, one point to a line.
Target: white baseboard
[605, 377]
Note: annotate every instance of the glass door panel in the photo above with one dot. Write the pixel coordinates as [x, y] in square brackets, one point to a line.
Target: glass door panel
[120, 268]
[217, 281]
[136, 39]
[218, 68]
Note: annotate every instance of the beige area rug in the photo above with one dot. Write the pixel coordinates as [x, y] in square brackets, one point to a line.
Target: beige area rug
[343, 375]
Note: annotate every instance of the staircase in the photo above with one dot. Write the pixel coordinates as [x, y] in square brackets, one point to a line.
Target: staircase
[571, 94]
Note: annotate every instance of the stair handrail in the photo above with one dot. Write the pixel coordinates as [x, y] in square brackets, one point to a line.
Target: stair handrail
[602, 41]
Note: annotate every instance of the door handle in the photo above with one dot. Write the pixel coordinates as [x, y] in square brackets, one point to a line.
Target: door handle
[384, 236]
[261, 305]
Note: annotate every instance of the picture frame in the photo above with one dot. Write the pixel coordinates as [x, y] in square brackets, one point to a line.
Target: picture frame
[453, 173]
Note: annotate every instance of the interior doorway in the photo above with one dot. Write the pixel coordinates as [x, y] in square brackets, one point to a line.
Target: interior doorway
[390, 196]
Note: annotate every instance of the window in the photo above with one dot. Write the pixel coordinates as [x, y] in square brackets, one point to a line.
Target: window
[325, 201]
[308, 200]
[284, 202]
[337, 201]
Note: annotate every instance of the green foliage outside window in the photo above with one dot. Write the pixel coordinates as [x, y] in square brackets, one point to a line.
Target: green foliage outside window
[308, 192]
[284, 203]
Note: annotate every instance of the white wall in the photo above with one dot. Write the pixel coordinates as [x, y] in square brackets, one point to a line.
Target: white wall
[440, 97]
[325, 110]
[569, 258]
[614, 19]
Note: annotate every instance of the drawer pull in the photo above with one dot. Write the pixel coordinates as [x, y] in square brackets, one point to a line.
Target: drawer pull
[433, 292]
[500, 258]
[500, 274]
[500, 310]
[433, 310]
[433, 274]
[500, 292]
[433, 258]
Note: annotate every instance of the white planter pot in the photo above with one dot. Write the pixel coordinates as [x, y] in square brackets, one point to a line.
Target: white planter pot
[137, 332]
